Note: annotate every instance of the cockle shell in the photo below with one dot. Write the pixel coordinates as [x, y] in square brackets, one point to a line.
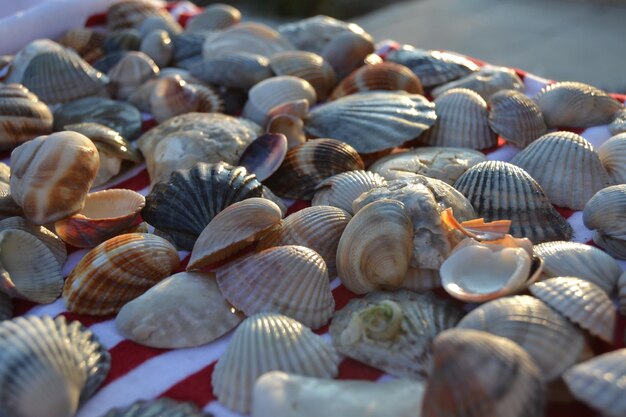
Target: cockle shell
[612, 153]
[549, 338]
[264, 155]
[615, 247]
[22, 116]
[314, 33]
[49, 192]
[605, 212]
[163, 407]
[122, 40]
[158, 46]
[172, 96]
[134, 69]
[566, 166]
[618, 125]
[393, 331]
[250, 37]
[86, 42]
[308, 66]
[5, 173]
[214, 17]
[384, 76]
[372, 122]
[573, 104]
[516, 118]
[347, 51]
[269, 342]
[240, 70]
[60, 364]
[52, 241]
[118, 271]
[486, 81]
[130, 13]
[342, 189]
[6, 307]
[500, 378]
[21, 60]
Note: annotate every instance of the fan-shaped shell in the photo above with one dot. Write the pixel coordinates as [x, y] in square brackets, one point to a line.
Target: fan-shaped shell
[130, 13]
[86, 42]
[163, 407]
[615, 247]
[516, 117]
[347, 51]
[486, 81]
[618, 125]
[21, 60]
[342, 189]
[383, 76]
[240, 70]
[255, 38]
[314, 33]
[612, 153]
[267, 342]
[308, 66]
[264, 155]
[22, 116]
[134, 69]
[158, 46]
[6, 307]
[605, 212]
[52, 241]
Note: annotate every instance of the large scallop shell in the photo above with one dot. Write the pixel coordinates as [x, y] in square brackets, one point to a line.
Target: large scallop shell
[6, 307]
[117, 271]
[347, 51]
[605, 212]
[255, 38]
[486, 81]
[516, 117]
[612, 153]
[22, 116]
[383, 76]
[134, 69]
[240, 70]
[342, 189]
[268, 342]
[308, 66]
[130, 13]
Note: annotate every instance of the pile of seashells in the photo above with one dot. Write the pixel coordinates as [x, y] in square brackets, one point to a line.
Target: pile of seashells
[470, 291]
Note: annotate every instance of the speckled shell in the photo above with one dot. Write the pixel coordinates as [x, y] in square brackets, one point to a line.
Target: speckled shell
[6, 307]
[240, 70]
[486, 81]
[22, 116]
[163, 407]
[308, 66]
[502, 191]
[267, 342]
[618, 125]
[612, 153]
[500, 379]
[383, 76]
[372, 122]
[118, 271]
[130, 13]
[314, 33]
[605, 212]
[516, 118]
[462, 121]
[52, 241]
[158, 46]
[134, 69]
[255, 38]
[573, 104]
[86, 42]
[214, 17]
[342, 189]
[172, 96]
[549, 338]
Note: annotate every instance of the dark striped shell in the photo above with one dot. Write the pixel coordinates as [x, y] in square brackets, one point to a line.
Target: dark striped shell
[22, 116]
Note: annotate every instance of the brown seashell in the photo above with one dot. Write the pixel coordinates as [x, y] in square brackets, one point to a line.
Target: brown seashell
[130, 13]
[290, 126]
[134, 69]
[421, 279]
[240, 70]
[86, 42]
[342, 189]
[22, 116]
[486, 82]
[214, 17]
[384, 76]
[612, 153]
[308, 66]
[172, 96]
[515, 117]
[347, 51]
[158, 46]
[249, 37]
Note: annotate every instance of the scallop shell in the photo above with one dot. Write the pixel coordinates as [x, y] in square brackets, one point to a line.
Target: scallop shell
[264, 155]
[605, 212]
[500, 379]
[308, 66]
[486, 81]
[118, 271]
[573, 104]
[122, 40]
[134, 69]
[214, 17]
[22, 116]
[347, 51]
[130, 13]
[372, 122]
[172, 96]
[552, 341]
[255, 38]
[6, 307]
[240, 70]
[267, 342]
[383, 76]
[158, 46]
[52, 241]
[314, 33]
[612, 153]
[86, 42]
[342, 189]
[393, 331]
[290, 126]
[516, 118]
[618, 125]
[502, 191]
[163, 407]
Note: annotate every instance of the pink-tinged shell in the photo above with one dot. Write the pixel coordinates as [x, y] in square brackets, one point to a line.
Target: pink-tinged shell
[342, 189]
[22, 116]
[290, 126]
[612, 153]
[172, 96]
[516, 117]
[214, 17]
[134, 69]
[347, 51]
[308, 66]
[263, 156]
[384, 76]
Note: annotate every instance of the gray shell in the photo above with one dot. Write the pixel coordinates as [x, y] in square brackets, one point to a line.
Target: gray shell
[342, 189]
[214, 17]
[487, 81]
[314, 33]
[162, 407]
[516, 118]
[240, 70]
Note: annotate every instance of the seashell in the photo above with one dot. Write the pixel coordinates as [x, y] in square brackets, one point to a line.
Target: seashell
[318, 228]
[240, 70]
[347, 51]
[264, 155]
[419, 279]
[612, 153]
[290, 126]
[573, 104]
[6, 307]
[8, 206]
[49, 192]
[306, 165]
[372, 122]
[552, 341]
[342, 189]
[581, 261]
[269, 342]
[232, 229]
[613, 246]
[45, 236]
[315, 33]
[432, 67]
[118, 271]
[445, 164]
[598, 382]
[308, 66]
[462, 121]
[582, 302]
[298, 108]
[383, 76]
[486, 81]
[516, 118]
[22, 116]
[290, 280]
[499, 190]
[60, 364]
[622, 292]
[605, 212]
[184, 310]
[618, 125]
[158, 46]
[278, 394]
[181, 73]
[164, 21]
[172, 96]
[130, 13]
[86, 42]
[501, 379]
[22, 59]
[134, 69]
[249, 37]
[108, 61]
[188, 47]
[122, 40]
[214, 17]
[566, 166]
[163, 407]
[393, 331]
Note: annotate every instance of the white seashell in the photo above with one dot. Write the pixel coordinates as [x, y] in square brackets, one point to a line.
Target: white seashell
[163, 407]
[52, 241]
[342, 189]
[605, 212]
[516, 117]
[214, 17]
[158, 46]
[612, 153]
[134, 69]
[618, 125]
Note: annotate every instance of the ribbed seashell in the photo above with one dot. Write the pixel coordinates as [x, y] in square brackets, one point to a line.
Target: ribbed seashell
[579, 260]
[214, 17]
[618, 125]
[515, 117]
[269, 342]
[240, 70]
[22, 116]
[290, 126]
[500, 378]
[549, 338]
[86, 42]
[598, 382]
[290, 280]
[622, 292]
[486, 81]
[118, 271]
[181, 73]
[615, 247]
[232, 229]
[502, 191]
[308, 66]
[255, 38]
[130, 13]
[264, 155]
[164, 21]
[172, 96]
[566, 167]
[342, 189]
[314, 33]
[612, 153]
[60, 364]
[462, 121]
[158, 46]
[347, 51]
[432, 67]
[49, 192]
[20, 62]
[305, 166]
[6, 307]
[52, 241]
[393, 331]
[163, 407]
[384, 76]
[573, 104]
[372, 122]
[134, 69]
[445, 164]
[605, 212]
[122, 40]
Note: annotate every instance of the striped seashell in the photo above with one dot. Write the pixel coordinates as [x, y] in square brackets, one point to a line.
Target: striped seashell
[515, 117]
[118, 271]
[130, 13]
[249, 37]
[393, 331]
[86, 42]
[305, 166]
[22, 116]
[6, 307]
[605, 212]
[314, 33]
[264, 155]
[612, 153]
[233, 229]
[347, 51]
[158, 46]
[308, 66]
[622, 293]
[134, 69]
[502, 191]
[500, 378]
[384, 76]
[22, 59]
[290, 126]
[59, 364]
[163, 407]
[598, 382]
[52, 241]
[372, 122]
[618, 125]
[549, 338]
[486, 82]
[582, 302]
[290, 280]
[122, 40]
[214, 17]
[269, 342]
[573, 104]
[462, 121]
[241, 70]
[172, 96]
[342, 189]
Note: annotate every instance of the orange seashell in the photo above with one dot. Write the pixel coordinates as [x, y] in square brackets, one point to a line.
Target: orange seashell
[384, 76]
